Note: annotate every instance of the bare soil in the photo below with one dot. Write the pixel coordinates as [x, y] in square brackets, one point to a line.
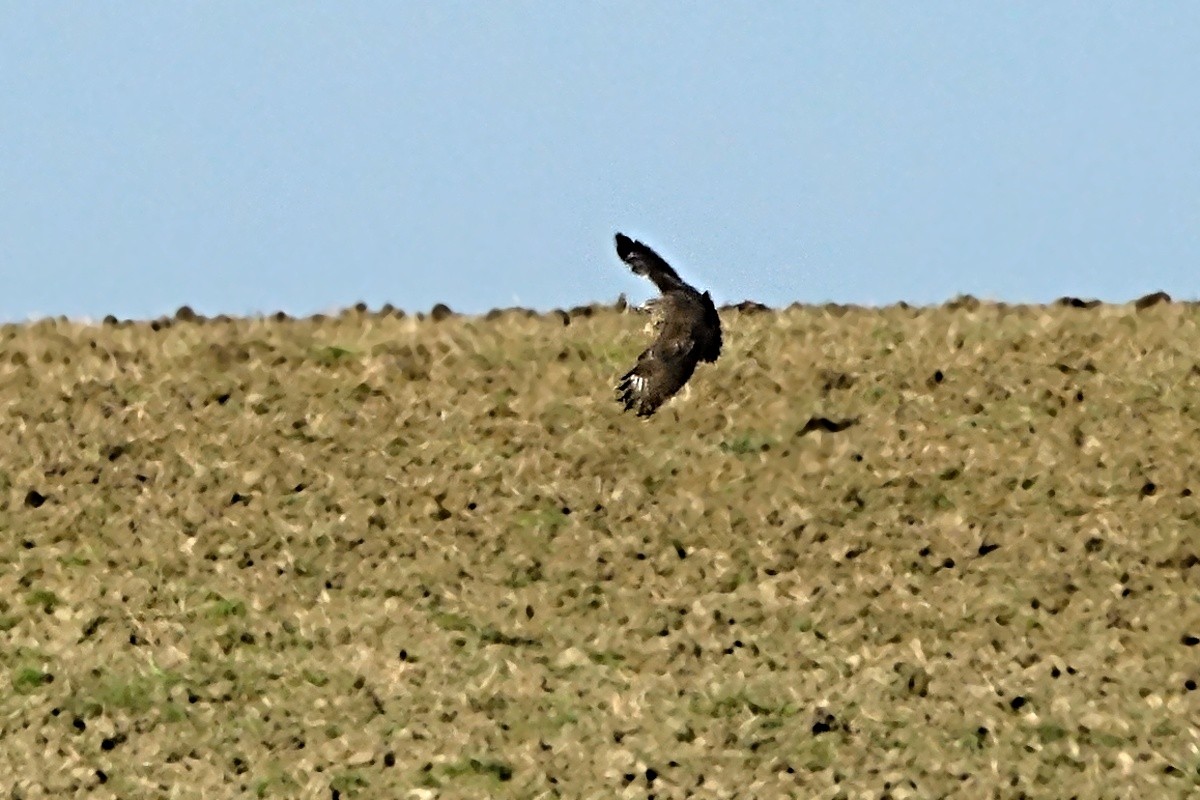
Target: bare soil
[871, 553]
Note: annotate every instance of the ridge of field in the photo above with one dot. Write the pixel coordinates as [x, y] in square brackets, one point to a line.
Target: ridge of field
[897, 552]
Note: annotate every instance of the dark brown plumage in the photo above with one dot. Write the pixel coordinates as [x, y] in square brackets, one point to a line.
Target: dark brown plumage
[689, 331]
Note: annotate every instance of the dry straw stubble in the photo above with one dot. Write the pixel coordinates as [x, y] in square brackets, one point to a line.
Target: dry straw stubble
[369, 554]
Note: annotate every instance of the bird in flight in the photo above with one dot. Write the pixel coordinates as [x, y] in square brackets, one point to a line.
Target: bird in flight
[689, 331]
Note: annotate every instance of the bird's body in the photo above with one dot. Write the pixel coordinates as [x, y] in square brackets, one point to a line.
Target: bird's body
[689, 332]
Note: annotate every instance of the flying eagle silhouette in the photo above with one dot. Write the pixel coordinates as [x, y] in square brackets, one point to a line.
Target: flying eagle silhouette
[689, 331]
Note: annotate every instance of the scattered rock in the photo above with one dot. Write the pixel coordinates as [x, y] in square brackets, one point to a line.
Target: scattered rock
[1075, 302]
[836, 309]
[964, 302]
[1142, 303]
[746, 307]
[825, 424]
[834, 380]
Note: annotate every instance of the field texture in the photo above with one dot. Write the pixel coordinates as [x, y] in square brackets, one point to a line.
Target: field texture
[871, 553]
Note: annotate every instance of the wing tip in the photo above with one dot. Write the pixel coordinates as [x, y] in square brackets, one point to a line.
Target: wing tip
[631, 393]
[624, 245]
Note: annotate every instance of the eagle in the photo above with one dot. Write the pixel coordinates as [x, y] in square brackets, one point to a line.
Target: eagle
[689, 331]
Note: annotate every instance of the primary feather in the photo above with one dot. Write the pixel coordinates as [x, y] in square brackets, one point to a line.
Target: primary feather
[689, 331]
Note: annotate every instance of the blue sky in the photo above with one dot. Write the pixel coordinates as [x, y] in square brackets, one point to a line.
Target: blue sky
[253, 157]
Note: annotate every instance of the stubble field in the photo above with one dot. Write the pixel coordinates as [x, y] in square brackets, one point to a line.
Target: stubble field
[871, 553]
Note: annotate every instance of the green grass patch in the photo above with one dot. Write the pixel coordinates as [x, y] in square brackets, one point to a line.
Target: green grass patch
[44, 599]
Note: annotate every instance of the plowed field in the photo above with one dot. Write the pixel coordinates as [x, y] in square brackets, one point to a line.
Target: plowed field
[871, 553]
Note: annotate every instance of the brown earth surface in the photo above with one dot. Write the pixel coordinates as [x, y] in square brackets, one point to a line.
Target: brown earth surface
[871, 553]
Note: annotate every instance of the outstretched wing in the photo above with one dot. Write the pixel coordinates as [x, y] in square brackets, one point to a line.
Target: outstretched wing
[667, 364]
[655, 378]
[644, 261]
